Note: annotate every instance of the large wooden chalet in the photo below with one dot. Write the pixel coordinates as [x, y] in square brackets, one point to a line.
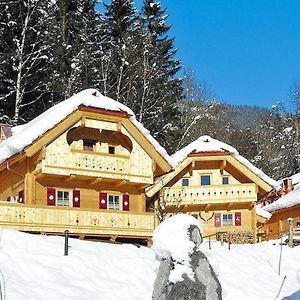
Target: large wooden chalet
[212, 182]
[83, 166]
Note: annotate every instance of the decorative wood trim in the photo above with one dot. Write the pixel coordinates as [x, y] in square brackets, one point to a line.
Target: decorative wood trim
[95, 171]
[100, 153]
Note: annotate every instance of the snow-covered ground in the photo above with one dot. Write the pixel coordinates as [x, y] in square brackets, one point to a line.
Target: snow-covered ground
[34, 267]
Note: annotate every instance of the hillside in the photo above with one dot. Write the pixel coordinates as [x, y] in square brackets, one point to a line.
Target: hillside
[33, 267]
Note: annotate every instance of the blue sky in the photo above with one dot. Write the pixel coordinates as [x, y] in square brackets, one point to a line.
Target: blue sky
[248, 52]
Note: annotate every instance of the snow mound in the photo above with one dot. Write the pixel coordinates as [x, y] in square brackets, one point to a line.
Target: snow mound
[26, 134]
[34, 267]
[207, 144]
[171, 240]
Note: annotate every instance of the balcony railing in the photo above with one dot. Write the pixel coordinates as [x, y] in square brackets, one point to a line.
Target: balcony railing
[210, 194]
[77, 221]
[88, 163]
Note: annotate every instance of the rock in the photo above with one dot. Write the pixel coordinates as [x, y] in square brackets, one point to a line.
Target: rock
[205, 285]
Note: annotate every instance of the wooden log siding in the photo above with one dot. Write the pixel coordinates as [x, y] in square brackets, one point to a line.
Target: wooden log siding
[52, 219]
[210, 194]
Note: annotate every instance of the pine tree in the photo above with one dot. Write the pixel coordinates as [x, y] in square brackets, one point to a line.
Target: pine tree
[120, 53]
[162, 90]
[75, 32]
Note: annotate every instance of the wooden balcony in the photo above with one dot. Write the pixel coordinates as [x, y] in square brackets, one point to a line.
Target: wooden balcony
[210, 194]
[81, 222]
[88, 163]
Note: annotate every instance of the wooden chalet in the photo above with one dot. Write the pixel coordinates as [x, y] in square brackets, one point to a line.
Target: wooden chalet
[212, 182]
[81, 166]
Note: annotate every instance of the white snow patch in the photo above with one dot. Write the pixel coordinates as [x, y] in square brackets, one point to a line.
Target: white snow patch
[34, 267]
[288, 200]
[263, 213]
[207, 144]
[26, 134]
[171, 239]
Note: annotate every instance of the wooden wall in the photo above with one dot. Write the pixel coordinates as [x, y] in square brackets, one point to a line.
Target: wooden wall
[64, 159]
[10, 183]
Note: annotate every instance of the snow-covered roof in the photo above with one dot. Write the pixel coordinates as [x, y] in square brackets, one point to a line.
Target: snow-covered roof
[286, 201]
[26, 134]
[207, 144]
[262, 213]
[295, 180]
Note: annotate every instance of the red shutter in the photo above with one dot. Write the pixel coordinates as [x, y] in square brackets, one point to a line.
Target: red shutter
[238, 219]
[126, 202]
[76, 198]
[103, 200]
[51, 195]
[21, 197]
[217, 220]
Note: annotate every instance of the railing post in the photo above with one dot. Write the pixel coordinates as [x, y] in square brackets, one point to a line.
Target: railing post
[66, 232]
[291, 238]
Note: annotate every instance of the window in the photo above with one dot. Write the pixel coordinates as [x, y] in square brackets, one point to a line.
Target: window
[225, 180]
[111, 150]
[205, 180]
[113, 202]
[63, 198]
[185, 182]
[227, 220]
[88, 145]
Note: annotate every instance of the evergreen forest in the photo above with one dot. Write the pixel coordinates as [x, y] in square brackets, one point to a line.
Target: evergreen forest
[50, 50]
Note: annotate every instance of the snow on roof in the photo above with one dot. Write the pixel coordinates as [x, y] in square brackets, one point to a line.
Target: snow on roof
[286, 201]
[207, 144]
[295, 180]
[263, 213]
[26, 134]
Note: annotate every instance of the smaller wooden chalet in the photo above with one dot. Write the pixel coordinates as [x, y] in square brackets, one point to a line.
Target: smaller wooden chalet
[282, 203]
[82, 165]
[212, 182]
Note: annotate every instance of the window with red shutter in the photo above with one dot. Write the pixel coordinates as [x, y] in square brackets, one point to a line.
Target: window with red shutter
[76, 198]
[126, 202]
[103, 200]
[51, 195]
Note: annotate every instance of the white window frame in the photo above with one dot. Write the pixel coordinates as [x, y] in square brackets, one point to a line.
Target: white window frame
[114, 206]
[227, 223]
[70, 197]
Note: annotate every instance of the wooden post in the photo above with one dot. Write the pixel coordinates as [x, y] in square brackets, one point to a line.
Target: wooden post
[229, 241]
[209, 242]
[290, 220]
[279, 266]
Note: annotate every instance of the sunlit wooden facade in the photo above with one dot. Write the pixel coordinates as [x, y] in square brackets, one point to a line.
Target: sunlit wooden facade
[215, 188]
[87, 175]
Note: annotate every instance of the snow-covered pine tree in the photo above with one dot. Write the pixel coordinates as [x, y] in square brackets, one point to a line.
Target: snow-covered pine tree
[161, 90]
[76, 36]
[120, 52]
[24, 57]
